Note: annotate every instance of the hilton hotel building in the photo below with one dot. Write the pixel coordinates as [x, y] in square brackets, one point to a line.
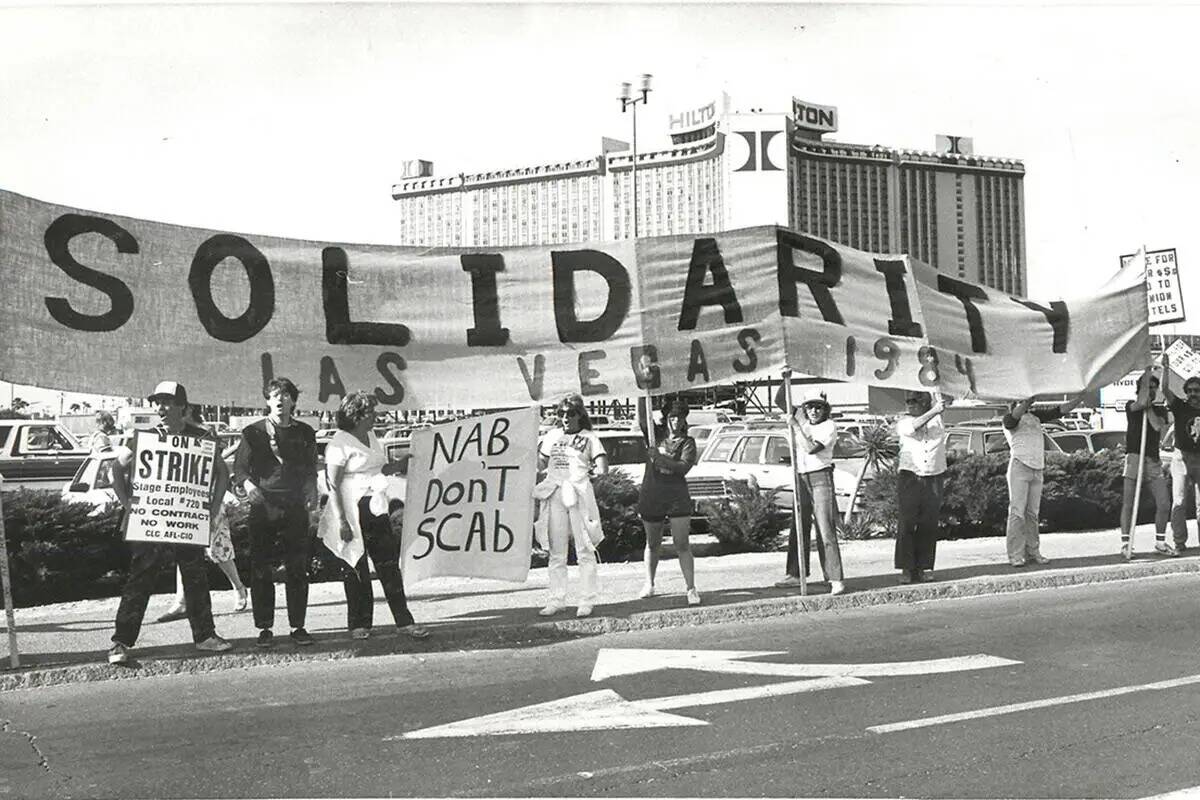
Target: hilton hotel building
[959, 212]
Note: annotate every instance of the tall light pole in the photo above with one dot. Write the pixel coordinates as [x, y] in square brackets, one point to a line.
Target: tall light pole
[628, 100]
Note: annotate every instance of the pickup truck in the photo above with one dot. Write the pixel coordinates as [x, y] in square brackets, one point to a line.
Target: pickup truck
[37, 454]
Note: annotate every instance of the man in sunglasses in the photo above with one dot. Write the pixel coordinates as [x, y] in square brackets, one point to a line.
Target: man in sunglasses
[1186, 411]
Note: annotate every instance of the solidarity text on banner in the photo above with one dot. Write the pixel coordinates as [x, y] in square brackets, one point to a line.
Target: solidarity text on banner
[171, 481]
[469, 509]
[95, 302]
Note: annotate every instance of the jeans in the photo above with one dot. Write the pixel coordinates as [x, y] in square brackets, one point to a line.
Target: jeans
[818, 504]
[1024, 503]
[291, 523]
[383, 546]
[1152, 475]
[563, 522]
[920, 499]
[144, 565]
[1185, 472]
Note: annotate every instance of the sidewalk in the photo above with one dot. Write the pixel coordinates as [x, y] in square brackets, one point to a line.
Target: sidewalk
[67, 642]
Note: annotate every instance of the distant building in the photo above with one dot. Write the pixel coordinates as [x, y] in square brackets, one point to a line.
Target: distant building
[727, 169]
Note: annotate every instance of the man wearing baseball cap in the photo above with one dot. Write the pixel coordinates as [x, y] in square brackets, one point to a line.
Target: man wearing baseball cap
[170, 400]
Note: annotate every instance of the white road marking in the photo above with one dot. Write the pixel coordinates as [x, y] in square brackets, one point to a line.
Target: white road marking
[1013, 708]
[614, 662]
[748, 693]
[1189, 793]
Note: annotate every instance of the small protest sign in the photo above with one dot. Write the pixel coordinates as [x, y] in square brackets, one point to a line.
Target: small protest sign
[171, 481]
[1164, 298]
[469, 508]
[1185, 362]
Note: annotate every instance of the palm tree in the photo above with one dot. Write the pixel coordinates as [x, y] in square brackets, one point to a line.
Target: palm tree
[880, 448]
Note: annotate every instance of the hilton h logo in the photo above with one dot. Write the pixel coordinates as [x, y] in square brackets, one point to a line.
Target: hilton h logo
[955, 142]
[756, 142]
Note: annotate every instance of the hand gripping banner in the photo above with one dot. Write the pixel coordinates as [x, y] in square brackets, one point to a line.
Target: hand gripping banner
[96, 302]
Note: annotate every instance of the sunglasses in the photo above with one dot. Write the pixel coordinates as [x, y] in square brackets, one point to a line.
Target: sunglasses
[568, 412]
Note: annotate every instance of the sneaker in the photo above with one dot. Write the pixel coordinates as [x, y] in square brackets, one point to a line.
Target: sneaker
[789, 582]
[925, 575]
[1180, 547]
[416, 631]
[906, 577]
[118, 654]
[693, 597]
[1165, 549]
[550, 610]
[1020, 562]
[1127, 552]
[583, 611]
[178, 612]
[1039, 559]
[302, 637]
[837, 587]
[266, 638]
[647, 591]
[360, 633]
[214, 644]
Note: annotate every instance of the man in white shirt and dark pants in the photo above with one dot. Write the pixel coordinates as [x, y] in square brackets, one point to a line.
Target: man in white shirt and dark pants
[922, 467]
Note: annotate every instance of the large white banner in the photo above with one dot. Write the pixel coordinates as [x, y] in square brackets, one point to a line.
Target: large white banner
[172, 479]
[469, 509]
[96, 302]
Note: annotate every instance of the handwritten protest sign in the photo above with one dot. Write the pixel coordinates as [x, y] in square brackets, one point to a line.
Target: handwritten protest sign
[1164, 295]
[427, 328]
[469, 509]
[172, 481]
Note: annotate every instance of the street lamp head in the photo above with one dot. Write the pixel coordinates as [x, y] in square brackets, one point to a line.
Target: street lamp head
[645, 86]
[625, 94]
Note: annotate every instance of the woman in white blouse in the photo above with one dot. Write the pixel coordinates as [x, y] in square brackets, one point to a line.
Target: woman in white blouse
[355, 465]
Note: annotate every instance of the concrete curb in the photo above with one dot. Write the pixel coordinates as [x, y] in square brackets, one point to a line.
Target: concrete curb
[542, 632]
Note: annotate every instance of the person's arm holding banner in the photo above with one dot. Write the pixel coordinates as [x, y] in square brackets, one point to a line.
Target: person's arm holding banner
[939, 405]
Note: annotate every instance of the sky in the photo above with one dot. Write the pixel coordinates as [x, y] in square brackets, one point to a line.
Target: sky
[294, 119]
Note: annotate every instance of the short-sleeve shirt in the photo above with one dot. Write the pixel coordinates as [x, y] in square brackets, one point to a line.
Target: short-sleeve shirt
[1133, 430]
[922, 450]
[823, 433]
[570, 455]
[1187, 426]
[359, 462]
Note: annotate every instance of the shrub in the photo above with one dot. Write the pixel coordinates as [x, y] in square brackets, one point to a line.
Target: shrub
[624, 536]
[749, 520]
[58, 552]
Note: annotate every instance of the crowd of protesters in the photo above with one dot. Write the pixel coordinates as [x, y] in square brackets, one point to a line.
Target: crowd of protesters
[276, 463]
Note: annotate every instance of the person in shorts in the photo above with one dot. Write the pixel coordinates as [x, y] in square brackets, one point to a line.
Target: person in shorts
[664, 497]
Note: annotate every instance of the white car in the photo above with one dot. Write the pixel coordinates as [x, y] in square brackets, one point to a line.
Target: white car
[626, 451]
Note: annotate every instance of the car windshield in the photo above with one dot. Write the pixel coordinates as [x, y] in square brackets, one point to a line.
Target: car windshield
[625, 449]
[1104, 440]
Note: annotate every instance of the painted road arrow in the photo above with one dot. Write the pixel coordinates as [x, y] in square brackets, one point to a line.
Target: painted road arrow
[606, 710]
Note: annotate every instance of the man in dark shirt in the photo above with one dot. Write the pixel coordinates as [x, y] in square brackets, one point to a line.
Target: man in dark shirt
[170, 400]
[1186, 411]
[276, 465]
[1151, 467]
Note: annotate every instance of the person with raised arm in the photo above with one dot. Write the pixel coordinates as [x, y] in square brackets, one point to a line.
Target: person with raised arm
[920, 481]
[1186, 411]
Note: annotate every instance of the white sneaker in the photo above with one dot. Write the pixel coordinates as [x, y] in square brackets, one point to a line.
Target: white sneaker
[550, 610]
[1127, 552]
[118, 654]
[1165, 549]
[837, 587]
[583, 611]
[693, 597]
[647, 591]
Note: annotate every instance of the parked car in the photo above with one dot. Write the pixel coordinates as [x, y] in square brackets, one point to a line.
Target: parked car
[626, 452]
[1073, 440]
[761, 455]
[37, 453]
[976, 439]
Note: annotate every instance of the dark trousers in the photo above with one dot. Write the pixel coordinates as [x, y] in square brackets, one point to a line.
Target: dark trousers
[290, 523]
[817, 503]
[145, 564]
[916, 530]
[383, 546]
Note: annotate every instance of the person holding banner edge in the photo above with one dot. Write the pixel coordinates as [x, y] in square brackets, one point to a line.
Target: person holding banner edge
[664, 496]
[1186, 411]
[355, 464]
[570, 455]
[815, 436]
[920, 481]
[276, 465]
[170, 401]
[1142, 434]
[1022, 426]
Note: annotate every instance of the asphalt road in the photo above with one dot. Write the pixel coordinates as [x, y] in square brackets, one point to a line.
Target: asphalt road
[362, 728]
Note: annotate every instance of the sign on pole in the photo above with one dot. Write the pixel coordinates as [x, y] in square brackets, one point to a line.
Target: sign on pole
[171, 481]
[469, 510]
[1164, 298]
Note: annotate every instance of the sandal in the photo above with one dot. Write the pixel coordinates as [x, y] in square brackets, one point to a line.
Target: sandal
[416, 631]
